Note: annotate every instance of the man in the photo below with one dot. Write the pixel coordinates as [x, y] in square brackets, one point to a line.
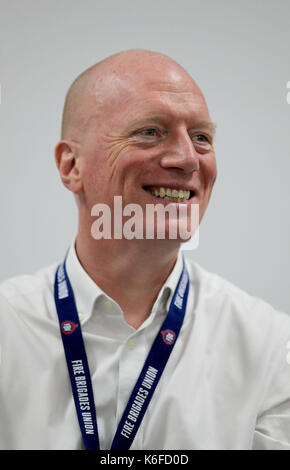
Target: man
[133, 124]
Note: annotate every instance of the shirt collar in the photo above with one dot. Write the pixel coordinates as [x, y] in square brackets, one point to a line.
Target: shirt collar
[167, 290]
[86, 291]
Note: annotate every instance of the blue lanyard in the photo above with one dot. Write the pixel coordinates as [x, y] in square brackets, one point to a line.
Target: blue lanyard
[78, 366]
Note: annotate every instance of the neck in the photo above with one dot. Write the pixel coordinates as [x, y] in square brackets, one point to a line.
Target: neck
[131, 272]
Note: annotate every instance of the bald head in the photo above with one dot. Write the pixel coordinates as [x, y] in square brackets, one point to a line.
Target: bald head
[88, 91]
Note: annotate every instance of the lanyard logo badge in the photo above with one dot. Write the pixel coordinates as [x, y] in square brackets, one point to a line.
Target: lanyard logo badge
[168, 336]
[68, 327]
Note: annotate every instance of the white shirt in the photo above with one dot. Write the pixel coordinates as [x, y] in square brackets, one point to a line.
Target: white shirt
[226, 384]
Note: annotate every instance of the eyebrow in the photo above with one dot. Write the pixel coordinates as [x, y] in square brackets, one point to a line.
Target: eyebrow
[199, 123]
[205, 124]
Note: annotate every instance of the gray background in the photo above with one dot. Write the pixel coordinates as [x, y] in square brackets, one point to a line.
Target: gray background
[238, 52]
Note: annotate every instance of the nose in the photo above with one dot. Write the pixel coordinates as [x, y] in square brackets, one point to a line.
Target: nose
[181, 154]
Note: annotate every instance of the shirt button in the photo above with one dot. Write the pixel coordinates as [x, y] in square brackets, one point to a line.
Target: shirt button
[131, 344]
[108, 305]
[81, 316]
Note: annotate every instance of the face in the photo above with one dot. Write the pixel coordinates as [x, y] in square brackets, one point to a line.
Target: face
[148, 135]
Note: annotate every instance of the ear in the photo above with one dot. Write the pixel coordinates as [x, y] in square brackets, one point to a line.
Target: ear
[68, 165]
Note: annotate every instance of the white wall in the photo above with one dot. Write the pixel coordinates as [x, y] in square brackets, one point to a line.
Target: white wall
[238, 52]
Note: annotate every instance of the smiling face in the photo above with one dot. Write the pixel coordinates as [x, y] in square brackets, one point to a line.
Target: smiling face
[149, 133]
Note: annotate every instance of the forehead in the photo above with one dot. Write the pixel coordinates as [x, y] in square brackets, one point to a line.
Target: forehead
[166, 106]
[173, 96]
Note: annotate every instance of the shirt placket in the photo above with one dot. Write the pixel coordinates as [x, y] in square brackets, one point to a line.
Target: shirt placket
[132, 358]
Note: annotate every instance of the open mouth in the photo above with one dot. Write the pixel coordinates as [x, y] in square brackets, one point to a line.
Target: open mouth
[170, 194]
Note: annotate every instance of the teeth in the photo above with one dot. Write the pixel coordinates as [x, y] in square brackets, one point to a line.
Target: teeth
[174, 195]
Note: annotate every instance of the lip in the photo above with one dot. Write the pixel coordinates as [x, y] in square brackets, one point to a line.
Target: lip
[160, 200]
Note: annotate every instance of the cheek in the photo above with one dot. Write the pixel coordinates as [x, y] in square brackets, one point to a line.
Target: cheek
[128, 163]
[94, 178]
[92, 174]
[105, 175]
[209, 170]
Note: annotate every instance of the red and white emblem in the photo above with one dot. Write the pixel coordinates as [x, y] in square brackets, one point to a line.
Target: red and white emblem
[68, 327]
[168, 336]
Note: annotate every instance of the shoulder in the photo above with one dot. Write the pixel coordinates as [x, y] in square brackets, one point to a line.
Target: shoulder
[222, 300]
[27, 292]
[241, 331]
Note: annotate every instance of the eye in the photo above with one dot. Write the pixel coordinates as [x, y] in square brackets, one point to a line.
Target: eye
[150, 132]
[148, 136]
[202, 142]
[203, 138]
